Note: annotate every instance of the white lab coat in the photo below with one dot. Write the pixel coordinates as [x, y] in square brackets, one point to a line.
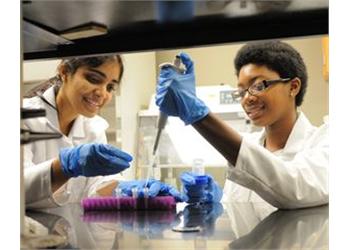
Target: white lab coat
[38, 156]
[293, 177]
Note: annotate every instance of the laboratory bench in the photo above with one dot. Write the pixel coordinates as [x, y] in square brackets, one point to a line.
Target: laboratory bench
[221, 226]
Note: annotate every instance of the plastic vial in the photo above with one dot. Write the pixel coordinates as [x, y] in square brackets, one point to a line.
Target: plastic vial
[198, 167]
[135, 197]
[117, 192]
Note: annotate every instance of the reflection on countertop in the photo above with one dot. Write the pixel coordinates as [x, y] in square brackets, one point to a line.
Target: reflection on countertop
[223, 226]
[288, 229]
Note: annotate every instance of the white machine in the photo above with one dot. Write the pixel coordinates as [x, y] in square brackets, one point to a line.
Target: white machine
[180, 145]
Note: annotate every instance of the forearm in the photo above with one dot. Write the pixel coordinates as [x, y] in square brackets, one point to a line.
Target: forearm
[106, 189]
[57, 176]
[226, 140]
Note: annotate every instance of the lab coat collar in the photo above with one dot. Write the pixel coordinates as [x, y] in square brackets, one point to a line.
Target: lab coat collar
[50, 96]
[77, 130]
[51, 113]
[300, 129]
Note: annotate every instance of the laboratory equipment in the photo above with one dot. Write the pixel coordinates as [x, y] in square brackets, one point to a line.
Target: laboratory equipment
[201, 182]
[161, 125]
[176, 93]
[181, 144]
[139, 188]
[128, 203]
[162, 116]
[28, 136]
[198, 167]
[162, 120]
[197, 191]
[200, 188]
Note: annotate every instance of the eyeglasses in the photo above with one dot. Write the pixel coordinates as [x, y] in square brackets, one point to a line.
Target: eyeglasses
[256, 88]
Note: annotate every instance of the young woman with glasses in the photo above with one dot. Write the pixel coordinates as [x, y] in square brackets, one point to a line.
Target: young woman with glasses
[286, 164]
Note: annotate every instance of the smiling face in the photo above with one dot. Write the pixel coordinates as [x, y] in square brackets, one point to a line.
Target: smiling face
[273, 104]
[88, 89]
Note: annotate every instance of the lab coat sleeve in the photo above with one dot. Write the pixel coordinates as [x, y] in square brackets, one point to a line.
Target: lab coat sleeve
[37, 183]
[300, 182]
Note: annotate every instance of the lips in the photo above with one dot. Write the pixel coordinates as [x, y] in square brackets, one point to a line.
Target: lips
[92, 104]
[255, 112]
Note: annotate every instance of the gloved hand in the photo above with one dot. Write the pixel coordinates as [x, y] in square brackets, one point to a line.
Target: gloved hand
[211, 192]
[176, 93]
[92, 160]
[155, 188]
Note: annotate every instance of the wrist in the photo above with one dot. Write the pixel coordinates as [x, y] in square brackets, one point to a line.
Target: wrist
[198, 112]
[107, 188]
[68, 161]
[58, 178]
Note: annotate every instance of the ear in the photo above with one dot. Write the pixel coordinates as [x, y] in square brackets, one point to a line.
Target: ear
[295, 86]
[62, 72]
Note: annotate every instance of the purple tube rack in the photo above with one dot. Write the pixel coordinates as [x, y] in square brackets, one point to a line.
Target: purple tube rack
[128, 203]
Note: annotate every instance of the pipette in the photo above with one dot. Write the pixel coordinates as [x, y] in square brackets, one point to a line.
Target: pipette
[162, 120]
[162, 116]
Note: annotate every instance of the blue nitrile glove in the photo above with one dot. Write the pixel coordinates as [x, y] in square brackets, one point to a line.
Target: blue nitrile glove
[176, 93]
[93, 159]
[193, 191]
[155, 188]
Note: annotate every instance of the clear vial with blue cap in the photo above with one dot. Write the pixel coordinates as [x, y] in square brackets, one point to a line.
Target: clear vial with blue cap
[201, 180]
[198, 167]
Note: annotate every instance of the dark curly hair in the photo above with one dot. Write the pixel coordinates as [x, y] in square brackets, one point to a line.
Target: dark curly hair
[277, 56]
[71, 66]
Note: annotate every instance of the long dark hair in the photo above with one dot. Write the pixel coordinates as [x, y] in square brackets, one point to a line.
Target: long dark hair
[71, 66]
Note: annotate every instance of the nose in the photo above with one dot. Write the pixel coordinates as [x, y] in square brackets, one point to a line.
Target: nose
[101, 91]
[248, 98]
[246, 93]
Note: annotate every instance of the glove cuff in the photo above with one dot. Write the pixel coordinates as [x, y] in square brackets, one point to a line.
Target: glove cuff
[69, 161]
[198, 111]
[217, 192]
